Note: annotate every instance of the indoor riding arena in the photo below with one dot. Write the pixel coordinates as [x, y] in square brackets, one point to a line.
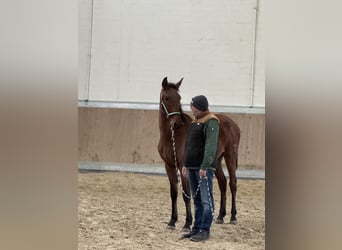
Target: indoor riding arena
[126, 48]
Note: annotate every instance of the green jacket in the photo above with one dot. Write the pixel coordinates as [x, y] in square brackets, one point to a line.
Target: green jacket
[211, 130]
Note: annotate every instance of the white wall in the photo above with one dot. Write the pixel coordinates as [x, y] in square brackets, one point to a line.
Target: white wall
[85, 31]
[134, 44]
[259, 77]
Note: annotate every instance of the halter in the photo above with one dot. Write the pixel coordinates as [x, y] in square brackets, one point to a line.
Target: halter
[167, 112]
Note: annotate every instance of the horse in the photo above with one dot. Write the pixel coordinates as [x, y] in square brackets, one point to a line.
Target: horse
[173, 127]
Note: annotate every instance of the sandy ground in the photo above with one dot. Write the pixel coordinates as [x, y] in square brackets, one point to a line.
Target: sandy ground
[130, 211]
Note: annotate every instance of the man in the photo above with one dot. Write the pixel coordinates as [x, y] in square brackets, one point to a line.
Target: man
[199, 165]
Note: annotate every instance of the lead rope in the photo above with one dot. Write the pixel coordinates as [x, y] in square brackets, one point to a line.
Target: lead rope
[179, 178]
[210, 202]
[175, 159]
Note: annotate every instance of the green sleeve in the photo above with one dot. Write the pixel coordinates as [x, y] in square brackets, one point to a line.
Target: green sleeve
[212, 129]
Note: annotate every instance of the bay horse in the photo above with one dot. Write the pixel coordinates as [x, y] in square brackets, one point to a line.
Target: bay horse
[173, 127]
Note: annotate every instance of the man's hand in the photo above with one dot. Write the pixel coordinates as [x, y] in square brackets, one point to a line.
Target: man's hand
[184, 172]
[203, 173]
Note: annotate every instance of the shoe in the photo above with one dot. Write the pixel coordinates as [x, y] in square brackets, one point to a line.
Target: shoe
[201, 236]
[192, 233]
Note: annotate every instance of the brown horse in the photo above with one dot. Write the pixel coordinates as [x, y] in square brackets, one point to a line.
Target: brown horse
[173, 126]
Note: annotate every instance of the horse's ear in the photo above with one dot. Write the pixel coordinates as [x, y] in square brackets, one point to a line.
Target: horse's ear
[179, 83]
[165, 83]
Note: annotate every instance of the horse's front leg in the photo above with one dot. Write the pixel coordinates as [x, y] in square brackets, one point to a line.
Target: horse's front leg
[187, 201]
[172, 174]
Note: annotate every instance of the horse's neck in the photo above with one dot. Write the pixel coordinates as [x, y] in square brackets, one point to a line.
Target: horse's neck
[188, 119]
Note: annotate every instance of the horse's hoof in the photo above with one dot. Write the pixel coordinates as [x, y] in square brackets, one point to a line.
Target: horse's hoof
[185, 230]
[219, 221]
[233, 222]
[171, 227]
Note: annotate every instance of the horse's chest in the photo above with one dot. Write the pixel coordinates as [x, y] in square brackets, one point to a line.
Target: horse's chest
[167, 149]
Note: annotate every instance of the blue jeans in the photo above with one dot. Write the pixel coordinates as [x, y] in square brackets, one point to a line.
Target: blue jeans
[203, 200]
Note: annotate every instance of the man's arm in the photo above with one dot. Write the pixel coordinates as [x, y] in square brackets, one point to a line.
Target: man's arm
[211, 142]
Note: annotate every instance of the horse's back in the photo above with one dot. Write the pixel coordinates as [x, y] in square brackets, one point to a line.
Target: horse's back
[229, 135]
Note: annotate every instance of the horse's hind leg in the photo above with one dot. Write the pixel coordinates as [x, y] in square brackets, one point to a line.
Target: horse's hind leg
[187, 201]
[172, 175]
[222, 182]
[232, 165]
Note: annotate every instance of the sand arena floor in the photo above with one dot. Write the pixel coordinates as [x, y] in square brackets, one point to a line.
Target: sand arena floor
[119, 210]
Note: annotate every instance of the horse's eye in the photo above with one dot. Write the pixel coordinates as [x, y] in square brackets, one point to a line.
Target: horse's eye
[166, 98]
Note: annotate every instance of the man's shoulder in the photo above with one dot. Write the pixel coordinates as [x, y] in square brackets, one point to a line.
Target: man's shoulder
[210, 117]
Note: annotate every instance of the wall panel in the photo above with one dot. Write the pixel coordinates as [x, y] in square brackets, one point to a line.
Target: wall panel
[131, 136]
[211, 43]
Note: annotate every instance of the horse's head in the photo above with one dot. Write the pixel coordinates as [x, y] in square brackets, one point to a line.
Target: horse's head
[170, 104]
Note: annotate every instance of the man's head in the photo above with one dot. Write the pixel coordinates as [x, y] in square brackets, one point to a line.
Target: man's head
[199, 104]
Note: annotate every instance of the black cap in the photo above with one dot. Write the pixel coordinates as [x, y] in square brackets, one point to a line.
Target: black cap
[200, 102]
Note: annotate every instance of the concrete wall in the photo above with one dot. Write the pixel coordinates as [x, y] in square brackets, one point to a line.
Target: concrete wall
[131, 136]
